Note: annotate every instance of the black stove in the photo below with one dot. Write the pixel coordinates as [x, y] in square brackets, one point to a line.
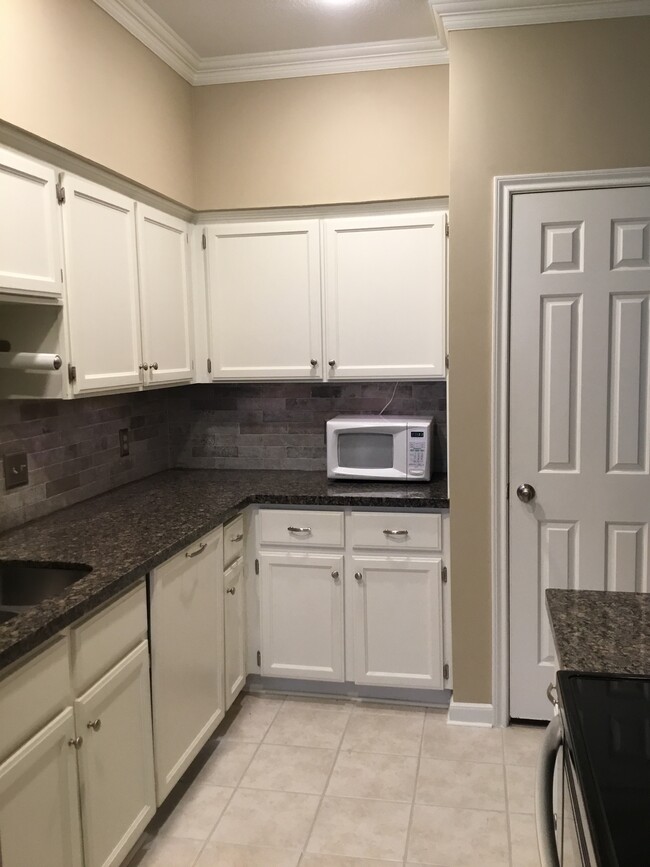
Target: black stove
[607, 733]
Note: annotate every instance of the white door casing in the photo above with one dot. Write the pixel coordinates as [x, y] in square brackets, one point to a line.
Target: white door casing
[31, 242]
[384, 296]
[102, 286]
[235, 630]
[264, 317]
[302, 615]
[579, 406]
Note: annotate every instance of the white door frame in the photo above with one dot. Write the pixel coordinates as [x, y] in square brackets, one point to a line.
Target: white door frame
[504, 190]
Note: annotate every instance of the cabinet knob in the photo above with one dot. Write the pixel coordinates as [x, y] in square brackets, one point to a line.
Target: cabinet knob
[314, 362]
[237, 538]
[335, 575]
[332, 363]
[144, 366]
[95, 724]
[231, 590]
[358, 576]
[154, 365]
[76, 742]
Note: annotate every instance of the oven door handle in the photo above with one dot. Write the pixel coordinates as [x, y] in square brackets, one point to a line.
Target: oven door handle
[546, 839]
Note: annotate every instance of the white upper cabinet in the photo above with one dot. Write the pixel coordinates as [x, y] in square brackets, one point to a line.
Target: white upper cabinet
[102, 287]
[385, 296]
[264, 300]
[31, 249]
[164, 296]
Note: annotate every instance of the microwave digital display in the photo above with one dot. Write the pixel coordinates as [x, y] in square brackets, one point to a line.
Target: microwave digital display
[417, 433]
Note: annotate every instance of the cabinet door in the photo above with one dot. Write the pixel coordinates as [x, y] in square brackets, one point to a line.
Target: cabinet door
[235, 630]
[264, 300]
[187, 656]
[116, 760]
[31, 246]
[164, 296]
[302, 615]
[397, 621]
[39, 800]
[385, 296]
[102, 287]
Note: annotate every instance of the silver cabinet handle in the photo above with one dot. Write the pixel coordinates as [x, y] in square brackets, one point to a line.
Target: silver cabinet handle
[154, 365]
[332, 363]
[358, 576]
[335, 575]
[396, 532]
[231, 590]
[299, 529]
[544, 794]
[551, 694]
[77, 742]
[237, 538]
[314, 362]
[95, 724]
[144, 366]
[198, 551]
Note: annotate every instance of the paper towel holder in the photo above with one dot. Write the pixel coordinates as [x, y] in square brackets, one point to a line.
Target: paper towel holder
[34, 362]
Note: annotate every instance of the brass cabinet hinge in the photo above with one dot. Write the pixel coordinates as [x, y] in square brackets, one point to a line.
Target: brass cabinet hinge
[204, 242]
[209, 365]
[257, 567]
[259, 658]
[72, 373]
[445, 671]
[443, 574]
[60, 190]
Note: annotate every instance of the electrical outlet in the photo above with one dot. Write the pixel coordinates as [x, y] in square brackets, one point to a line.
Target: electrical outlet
[124, 442]
[16, 472]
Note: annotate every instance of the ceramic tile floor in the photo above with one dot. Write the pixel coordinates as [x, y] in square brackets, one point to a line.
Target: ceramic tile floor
[317, 783]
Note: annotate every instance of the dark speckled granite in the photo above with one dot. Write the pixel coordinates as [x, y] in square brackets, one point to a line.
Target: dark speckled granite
[600, 632]
[126, 532]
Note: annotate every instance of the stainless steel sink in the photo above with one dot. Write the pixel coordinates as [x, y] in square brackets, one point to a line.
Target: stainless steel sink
[24, 584]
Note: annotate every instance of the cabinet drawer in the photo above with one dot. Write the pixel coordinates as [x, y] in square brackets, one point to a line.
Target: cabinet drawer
[301, 528]
[396, 530]
[33, 695]
[233, 541]
[100, 642]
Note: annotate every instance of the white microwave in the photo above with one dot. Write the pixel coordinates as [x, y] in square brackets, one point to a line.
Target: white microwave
[379, 447]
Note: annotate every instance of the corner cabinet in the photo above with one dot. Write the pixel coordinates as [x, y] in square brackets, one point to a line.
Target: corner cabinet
[264, 300]
[384, 292]
[31, 246]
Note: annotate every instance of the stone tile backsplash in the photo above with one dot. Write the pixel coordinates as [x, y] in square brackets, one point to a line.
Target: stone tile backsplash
[282, 425]
[73, 448]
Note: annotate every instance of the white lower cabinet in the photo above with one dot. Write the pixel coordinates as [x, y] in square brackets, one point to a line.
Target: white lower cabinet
[235, 630]
[187, 656]
[116, 760]
[39, 800]
[302, 615]
[397, 621]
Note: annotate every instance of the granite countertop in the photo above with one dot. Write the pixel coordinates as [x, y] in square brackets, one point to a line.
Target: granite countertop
[601, 632]
[125, 533]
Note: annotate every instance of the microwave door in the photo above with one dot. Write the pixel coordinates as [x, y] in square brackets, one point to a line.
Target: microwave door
[377, 452]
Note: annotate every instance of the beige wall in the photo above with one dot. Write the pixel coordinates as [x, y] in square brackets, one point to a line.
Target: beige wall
[527, 99]
[72, 75]
[334, 138]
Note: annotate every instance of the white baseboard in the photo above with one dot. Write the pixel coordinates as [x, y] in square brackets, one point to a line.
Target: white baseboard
[463, 713]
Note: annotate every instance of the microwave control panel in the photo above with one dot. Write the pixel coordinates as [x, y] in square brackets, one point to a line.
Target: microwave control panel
[417, 451]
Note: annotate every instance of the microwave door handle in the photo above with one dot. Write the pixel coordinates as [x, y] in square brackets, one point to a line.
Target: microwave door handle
[548, 853]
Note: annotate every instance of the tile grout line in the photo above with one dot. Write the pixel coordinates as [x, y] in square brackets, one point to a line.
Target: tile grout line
[415, 789]
[327, 782]
[235, 788]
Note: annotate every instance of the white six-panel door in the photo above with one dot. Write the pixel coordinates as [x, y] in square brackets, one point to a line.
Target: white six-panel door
[31, 245]
[579, 406]
[164, 296]
[302, 615]
[102, 286]
[39, 801]
[385, 296]
[264, 300]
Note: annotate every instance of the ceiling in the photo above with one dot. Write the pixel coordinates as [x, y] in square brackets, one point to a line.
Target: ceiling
[221, 41]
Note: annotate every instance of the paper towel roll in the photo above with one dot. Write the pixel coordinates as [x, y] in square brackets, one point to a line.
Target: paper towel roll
[36, 361]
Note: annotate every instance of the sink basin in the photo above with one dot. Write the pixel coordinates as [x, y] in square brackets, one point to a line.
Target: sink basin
[25, 584]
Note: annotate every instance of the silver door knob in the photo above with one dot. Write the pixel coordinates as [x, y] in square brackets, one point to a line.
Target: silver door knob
[154, 365]
[76, 742]
[314, 362]
[526, 493]
[94, 724]
[358, 576]
[231, 590]
[335, 575]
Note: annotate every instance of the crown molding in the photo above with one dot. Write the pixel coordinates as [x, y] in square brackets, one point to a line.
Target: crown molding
[143, 23]
[477, 14]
